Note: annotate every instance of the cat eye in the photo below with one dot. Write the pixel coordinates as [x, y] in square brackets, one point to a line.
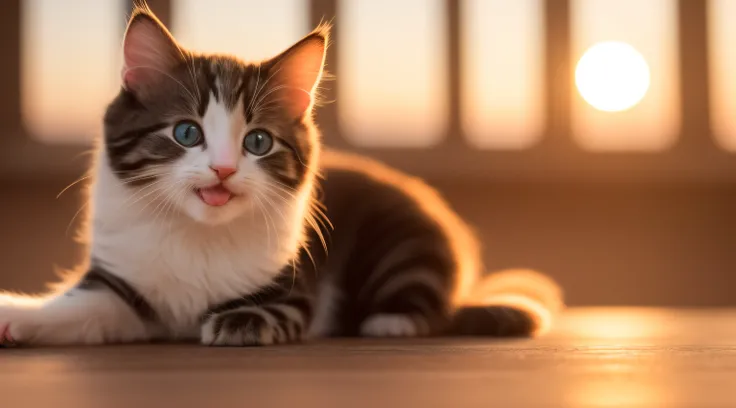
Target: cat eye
[188, 134]
[258, 142]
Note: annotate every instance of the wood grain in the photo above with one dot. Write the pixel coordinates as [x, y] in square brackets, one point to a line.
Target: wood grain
[595, 357]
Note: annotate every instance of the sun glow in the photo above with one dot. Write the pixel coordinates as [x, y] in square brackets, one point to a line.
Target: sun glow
[653, 122]
[612, 76]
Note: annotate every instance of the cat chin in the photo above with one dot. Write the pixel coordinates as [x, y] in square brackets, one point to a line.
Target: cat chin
[206, 214]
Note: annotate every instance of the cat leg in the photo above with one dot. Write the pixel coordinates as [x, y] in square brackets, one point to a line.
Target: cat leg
[409, 302]
[89, 314]
[275, 315]
[76, 317]
[281, 322]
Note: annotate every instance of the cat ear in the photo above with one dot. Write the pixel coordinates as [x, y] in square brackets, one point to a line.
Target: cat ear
[297, 72]
[149, 50]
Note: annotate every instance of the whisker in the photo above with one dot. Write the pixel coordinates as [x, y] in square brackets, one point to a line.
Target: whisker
[273, 222]
[257, 93]
[317, 230]
[326, 225]
[274, 206]
[175, 204]
[167, 192]
[76, 214]
[192, 74]
[143, 177]
[323, 216]
[171, 194]
[274, 89]
[162, 191]
[309, 217]
[141, 194]
[79, 180]
[273, 189]
[255, 89]
[309, 254]
[261, 99]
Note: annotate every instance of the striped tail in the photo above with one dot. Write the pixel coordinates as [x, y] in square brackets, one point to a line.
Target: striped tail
[510, 303]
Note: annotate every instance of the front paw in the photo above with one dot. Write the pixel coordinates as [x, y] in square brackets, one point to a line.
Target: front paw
[6, 338]
[12, 332]
[251, 326]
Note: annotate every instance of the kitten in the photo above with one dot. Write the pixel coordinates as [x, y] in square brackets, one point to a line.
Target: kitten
[217, 217]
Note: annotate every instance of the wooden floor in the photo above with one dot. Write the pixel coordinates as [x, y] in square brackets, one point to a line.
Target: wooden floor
[594, 358]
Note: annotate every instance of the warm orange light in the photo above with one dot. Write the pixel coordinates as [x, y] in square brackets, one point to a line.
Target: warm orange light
[722, 65]
[250, 29]
[652, 123]
[618, 391]
[615, 324]
[503, 73]
[71, 63]
[393, 76]
[612, 76]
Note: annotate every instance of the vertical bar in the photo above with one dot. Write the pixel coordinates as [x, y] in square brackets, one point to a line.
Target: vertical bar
[454, 38]
[645, 115]
[693, 42]
[721, 67]
[162, 9]
[393, 79]
[325, 11]
[322, 11]
[558, 73]
[502, 90]
[10, 80]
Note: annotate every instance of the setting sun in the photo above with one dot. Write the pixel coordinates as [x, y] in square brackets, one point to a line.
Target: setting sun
[612, 76]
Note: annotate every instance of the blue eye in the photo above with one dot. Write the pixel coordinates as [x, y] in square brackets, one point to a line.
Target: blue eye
[258, 142]
[188, 134]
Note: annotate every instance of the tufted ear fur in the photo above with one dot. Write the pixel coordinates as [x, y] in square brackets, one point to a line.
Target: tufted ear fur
[298, 71]
[149, 51]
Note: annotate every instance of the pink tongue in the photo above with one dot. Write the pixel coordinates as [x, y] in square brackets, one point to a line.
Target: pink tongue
[215, 196]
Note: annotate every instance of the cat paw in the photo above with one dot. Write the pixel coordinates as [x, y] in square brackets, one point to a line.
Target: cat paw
[6, 338]
[243, 327]
[389, 325]
[10, 329]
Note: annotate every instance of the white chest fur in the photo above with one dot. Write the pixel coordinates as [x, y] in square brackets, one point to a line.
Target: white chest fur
[183, 267]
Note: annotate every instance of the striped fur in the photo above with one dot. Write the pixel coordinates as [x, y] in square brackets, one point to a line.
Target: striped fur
[276, 314]
[400, 262]
[97, 278]
[362, 250]
[136, 138]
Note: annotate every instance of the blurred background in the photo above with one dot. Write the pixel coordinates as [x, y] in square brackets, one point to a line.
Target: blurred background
[594, 140]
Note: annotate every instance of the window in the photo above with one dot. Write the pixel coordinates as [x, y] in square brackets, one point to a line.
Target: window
[650, 27]
[251, 29]
[71, 65]
[722, 24]
[393, 75]
[503, 72]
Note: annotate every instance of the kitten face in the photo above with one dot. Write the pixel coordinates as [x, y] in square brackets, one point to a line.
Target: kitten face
[211, 135]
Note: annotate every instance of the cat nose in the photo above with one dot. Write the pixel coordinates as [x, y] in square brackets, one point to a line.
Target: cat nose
[223, 172]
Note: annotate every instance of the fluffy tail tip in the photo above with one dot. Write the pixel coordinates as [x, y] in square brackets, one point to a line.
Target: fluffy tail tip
[511, 303]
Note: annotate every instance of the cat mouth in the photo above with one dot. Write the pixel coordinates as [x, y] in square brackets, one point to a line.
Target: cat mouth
[215, 196]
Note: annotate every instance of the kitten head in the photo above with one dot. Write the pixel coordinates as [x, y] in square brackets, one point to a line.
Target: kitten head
[209, 134]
